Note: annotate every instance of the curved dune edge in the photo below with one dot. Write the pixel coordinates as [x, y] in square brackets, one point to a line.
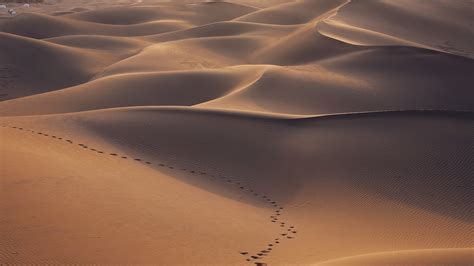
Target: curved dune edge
[377, 23]
[448, 256]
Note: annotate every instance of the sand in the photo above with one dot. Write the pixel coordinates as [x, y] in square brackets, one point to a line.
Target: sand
[237, 132]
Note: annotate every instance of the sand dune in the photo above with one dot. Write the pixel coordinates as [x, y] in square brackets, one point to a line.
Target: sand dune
[378, 192]
[452, 21]
[294, 12]
[162, 88]
[418, 257]
[241, 132]
[195, 14]
[30, 25]
[66, 66]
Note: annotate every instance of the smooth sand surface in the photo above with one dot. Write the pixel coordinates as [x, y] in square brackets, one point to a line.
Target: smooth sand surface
[238, 132]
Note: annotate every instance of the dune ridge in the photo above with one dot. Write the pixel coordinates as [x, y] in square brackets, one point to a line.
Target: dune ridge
[238, 132]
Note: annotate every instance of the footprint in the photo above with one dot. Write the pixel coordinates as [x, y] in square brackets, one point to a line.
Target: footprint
[137, 159]
[244, 253]
[113, 154]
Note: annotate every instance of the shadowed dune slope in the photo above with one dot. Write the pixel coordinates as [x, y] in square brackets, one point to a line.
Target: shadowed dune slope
[40, 26]
[195, 14]
[107, 44]
[65, 66]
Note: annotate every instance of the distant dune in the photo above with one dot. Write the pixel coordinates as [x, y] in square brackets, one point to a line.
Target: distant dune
[278, 132]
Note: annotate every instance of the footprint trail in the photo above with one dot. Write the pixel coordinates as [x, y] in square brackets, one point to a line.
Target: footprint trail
[288, 232]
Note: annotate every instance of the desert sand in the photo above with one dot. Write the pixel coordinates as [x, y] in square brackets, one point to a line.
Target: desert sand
[240, 132]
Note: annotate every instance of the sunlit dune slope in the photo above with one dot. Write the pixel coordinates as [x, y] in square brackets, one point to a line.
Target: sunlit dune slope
[462, 256]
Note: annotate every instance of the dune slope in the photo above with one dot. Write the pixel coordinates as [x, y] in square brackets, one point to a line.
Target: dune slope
[240, 132]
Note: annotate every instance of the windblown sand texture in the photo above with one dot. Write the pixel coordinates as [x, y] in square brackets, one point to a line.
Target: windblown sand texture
[243, 132]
